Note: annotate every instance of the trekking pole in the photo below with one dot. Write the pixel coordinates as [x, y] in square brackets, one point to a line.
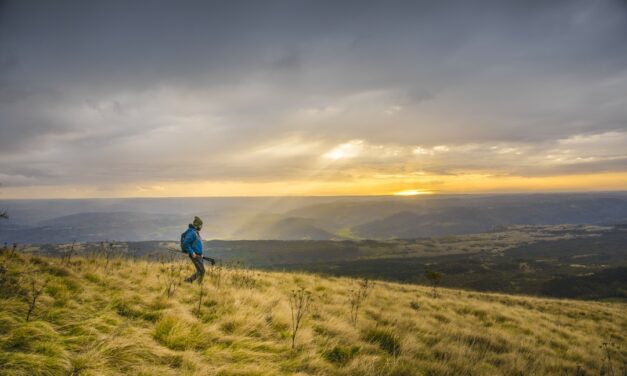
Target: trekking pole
[211, 260]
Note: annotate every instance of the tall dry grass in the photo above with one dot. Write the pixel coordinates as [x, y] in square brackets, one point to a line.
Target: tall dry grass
[119, 320]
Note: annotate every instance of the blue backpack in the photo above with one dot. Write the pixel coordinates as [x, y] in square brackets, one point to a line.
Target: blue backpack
[183, 238]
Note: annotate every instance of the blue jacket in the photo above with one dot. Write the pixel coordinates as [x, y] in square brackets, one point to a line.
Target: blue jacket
[190, 241]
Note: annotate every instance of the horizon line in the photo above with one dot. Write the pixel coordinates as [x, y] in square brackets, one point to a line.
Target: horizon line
[391, 195]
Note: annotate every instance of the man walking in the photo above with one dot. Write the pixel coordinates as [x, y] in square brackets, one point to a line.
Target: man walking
[191, 243]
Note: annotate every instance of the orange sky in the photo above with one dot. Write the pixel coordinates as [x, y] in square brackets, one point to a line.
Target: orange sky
[364, 186]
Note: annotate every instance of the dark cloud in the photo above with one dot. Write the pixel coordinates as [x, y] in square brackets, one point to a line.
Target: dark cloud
[117, 90]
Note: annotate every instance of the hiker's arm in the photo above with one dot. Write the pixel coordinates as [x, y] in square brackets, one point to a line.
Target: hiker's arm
[188, 241]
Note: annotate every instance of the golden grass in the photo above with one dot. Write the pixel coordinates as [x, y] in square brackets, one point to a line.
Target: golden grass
[92, 321]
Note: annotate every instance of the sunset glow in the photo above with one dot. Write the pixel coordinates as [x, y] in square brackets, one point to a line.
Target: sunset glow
[361, 106]
[412, 192]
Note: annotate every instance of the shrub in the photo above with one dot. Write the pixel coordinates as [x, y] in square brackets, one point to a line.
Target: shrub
[434, 278]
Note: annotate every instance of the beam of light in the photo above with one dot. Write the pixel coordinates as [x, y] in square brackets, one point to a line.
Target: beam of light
[347, 150]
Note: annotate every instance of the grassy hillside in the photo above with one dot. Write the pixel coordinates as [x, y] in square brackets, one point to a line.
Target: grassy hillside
[99, 317]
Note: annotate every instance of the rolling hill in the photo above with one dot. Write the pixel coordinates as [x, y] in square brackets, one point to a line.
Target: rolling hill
[301, 218]
[112, 316]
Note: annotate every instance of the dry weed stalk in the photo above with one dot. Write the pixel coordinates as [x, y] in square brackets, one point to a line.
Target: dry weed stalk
[67, 256]
[607, 368]
[357, 297]
[299, 303]
[215, 273]
[35, 289]
[171, 277]
[106, 250]
[201, 294]
[14, 249]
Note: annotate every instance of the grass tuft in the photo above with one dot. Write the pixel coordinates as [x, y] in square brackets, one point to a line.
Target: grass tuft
[341, 355]
[177, 334]
[387, 340]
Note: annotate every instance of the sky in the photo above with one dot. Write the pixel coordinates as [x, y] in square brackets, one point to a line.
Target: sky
[268, 98]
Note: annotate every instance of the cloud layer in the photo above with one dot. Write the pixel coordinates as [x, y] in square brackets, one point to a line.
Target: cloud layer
[124, 96]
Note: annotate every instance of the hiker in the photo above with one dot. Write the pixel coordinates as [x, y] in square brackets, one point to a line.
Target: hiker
[191, 243]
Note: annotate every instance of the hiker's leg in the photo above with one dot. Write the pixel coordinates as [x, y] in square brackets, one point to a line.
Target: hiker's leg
[192, 277]
[200, 268]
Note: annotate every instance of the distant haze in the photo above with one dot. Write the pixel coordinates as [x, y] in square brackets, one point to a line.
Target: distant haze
[314, 218]
[257, 98]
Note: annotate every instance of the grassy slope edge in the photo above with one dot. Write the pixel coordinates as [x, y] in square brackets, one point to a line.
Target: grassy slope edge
[117, 320]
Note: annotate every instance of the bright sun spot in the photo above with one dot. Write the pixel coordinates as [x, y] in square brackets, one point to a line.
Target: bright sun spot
[412, 192]
[336, 154]
[347, 150]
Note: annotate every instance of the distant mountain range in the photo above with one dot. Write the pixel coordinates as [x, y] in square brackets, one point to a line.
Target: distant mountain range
[300, 218]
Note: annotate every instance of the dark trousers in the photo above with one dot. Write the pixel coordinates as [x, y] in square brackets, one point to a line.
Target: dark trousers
[200, 269]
